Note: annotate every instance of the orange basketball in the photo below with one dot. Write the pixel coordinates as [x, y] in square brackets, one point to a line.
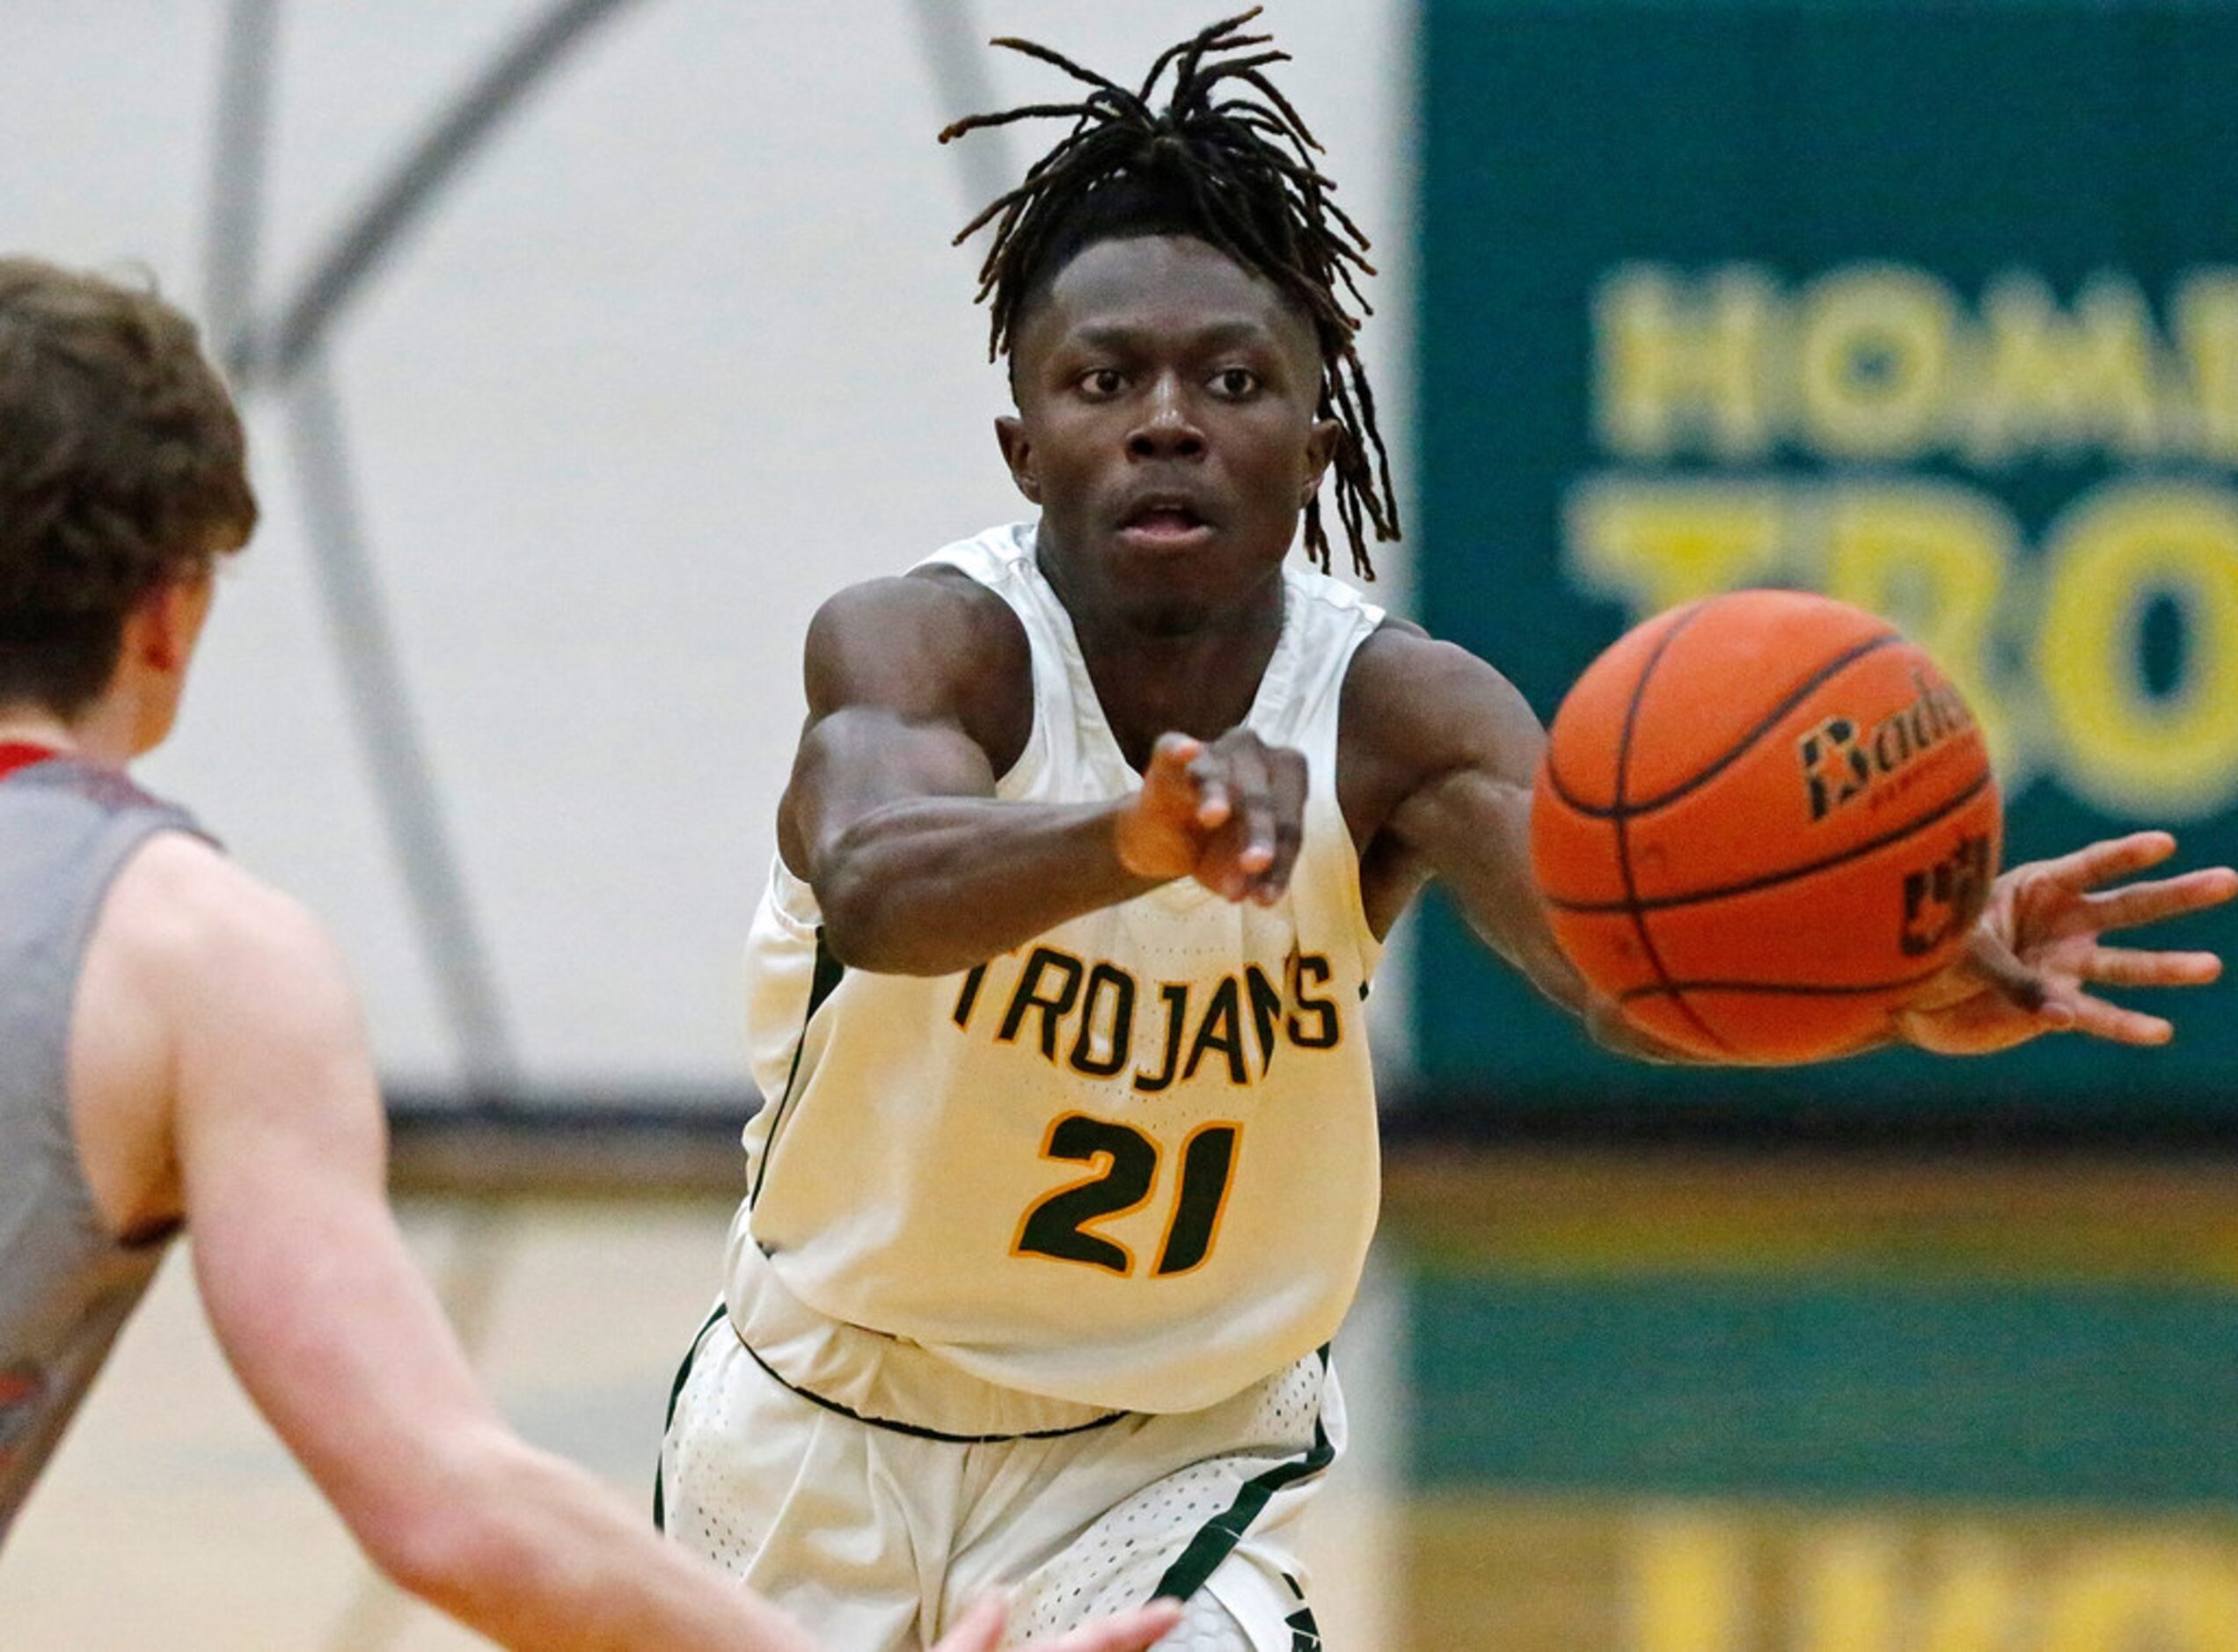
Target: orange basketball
[1764, 819]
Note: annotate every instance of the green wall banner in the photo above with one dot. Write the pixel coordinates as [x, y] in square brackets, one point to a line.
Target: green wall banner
[1932, 308]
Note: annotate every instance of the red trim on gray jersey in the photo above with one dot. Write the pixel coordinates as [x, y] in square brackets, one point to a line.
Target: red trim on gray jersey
[21, 754]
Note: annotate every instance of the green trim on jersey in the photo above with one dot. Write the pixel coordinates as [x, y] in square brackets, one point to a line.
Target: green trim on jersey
[676, 1392]
[1217, 1538]
[823, 981]
[914, 1430]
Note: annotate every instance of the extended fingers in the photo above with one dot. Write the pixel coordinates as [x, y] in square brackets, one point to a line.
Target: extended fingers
[1180, 762]
[2124, 966]
[1256, 806]
[1988, 957]
[1288, 798]
[2063, 1005]
[2163, 898]
[1129, 1631]
[1272, 824]
[2112, 1022]
[2093, 864]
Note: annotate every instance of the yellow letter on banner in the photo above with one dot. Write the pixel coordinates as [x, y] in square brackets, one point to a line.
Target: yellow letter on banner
[1932, 557]
[1874, 360]
[2056, 384]
[2206, 323]
[2125, 750]
[1676, 365]
[1655, 544]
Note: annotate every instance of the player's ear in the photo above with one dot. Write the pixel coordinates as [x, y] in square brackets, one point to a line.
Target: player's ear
[1018, 453]
[1320, 452]
[161, 627]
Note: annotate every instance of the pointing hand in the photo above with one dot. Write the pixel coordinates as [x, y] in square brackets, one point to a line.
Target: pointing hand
[1231, 813]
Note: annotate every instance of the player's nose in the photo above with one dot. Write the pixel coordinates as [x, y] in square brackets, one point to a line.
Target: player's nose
[1166, 428]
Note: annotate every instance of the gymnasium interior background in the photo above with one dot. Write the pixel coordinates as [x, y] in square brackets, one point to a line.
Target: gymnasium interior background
[588, 344]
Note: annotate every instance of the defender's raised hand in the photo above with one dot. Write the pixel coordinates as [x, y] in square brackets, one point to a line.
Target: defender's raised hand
[1230, 813]
[2038, 948]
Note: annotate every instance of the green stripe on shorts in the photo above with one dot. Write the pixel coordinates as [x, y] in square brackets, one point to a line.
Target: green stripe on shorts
[1218, 1537]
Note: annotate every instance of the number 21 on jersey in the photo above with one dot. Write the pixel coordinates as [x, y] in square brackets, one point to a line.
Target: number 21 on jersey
[1124, 1173]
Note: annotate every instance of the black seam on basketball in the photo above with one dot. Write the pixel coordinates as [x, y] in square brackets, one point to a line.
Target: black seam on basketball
[1634, 904]
[1623, 844]
[1561, 790]
[1623, 809]
[1782, 989]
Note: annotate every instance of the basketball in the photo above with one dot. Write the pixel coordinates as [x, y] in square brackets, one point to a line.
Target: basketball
[1763, 821]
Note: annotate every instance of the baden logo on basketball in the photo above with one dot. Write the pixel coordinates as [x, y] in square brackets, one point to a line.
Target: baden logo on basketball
[1838, 766]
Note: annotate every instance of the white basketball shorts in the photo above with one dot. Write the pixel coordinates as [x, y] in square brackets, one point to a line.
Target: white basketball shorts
[876, 1534]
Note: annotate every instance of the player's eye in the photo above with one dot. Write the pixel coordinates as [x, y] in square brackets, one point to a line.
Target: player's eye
[1235, 383]
[1102, 383]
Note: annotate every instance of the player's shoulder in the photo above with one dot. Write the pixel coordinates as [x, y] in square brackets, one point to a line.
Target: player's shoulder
[188, 919]
[917, 642]
[1405, 685]
[936, 601]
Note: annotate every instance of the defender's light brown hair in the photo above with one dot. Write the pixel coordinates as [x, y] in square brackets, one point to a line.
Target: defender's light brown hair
[123, 466]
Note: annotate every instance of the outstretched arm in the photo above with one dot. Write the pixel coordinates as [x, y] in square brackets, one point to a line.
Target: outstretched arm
[919, 695]
[1438, 754]
[1447, 750]
[280, 1148]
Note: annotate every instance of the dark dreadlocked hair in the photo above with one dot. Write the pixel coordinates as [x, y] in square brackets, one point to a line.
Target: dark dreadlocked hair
[1231, 170]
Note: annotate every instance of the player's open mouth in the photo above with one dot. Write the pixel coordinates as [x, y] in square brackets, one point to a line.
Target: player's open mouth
[1163, 522]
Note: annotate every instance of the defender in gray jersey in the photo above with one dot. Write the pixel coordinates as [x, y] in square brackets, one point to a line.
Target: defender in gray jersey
[66, 1280]
[178, 1044]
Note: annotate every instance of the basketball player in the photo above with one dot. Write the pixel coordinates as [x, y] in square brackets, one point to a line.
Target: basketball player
[179, 1043]
[1097, 824]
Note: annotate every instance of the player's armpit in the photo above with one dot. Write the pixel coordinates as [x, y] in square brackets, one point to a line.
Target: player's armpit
[1439, 759]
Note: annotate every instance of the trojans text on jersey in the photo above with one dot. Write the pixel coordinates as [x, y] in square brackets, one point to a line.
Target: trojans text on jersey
[1098, 1019]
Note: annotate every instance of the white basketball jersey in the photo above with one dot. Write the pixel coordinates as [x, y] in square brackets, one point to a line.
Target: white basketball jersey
[1131, 1163]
